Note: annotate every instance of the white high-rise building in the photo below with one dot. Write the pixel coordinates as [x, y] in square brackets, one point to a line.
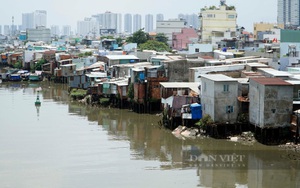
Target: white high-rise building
[0, 29]
[288, 12]
[28, 21]
[34, 19]
[40, 18]
[66, 30]
[109, 21]
[137, 22]
[55, 30]
[119, 24]
[6, 30]
[148, 23]
[88, 27]
[128, 23]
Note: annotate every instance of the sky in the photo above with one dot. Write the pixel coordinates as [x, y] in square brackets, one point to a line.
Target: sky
[68, 12]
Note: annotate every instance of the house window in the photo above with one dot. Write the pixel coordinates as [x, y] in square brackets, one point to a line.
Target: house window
[298, 93]
[197, 50]
[204, 86]
[226, 88]
[231, 16]
[229, 109]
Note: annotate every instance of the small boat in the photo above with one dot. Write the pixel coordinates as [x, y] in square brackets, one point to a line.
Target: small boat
[15, 77]
[34, 77]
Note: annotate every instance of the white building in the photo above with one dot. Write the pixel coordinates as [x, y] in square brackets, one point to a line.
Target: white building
[66, 30]
[55, 30]
[6, 30]
[148, 23]
[219, 97]
[137, 22]
[128, 23]
[34, 19]
[108, 20]
[39, 34]
[217, 22]
[28, 20]
[168, 27]
[40, 18]
[88, 27]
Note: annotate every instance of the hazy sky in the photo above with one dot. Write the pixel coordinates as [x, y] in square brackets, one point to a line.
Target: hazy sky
[68, 12]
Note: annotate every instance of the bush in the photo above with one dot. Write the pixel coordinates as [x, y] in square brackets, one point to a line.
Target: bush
[78, 93]
[204, 122]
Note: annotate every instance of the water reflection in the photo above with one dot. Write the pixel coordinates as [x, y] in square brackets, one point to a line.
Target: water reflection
[216, 163]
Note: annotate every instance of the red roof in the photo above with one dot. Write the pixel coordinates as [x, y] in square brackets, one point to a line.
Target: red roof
[271, 81]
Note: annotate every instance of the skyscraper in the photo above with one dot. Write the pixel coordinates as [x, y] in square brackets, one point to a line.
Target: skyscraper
[137, 22]
[55, 30]
[108, 20]
[6, 30]
[119, 24]
[128, 23]
[88, 26]
[66, 30]
[0, 29]
[288, 12]
[148, 23]
[34, 19]
[28, 21]
[40, 18]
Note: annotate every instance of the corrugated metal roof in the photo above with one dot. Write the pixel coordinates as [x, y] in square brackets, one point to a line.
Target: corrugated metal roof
[97, 75]
[116, 57]
[275, 72]
[271, 81]
[179, 84]
[294, 82]
[218, 77]
[191, 85]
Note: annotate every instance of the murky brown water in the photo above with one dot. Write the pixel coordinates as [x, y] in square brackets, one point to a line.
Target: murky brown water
[63, 144]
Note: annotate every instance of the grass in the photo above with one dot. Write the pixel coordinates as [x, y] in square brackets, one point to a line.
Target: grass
[78, 93]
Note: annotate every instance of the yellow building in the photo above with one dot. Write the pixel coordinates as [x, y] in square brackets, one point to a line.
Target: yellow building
[217, 23]
[262, 27]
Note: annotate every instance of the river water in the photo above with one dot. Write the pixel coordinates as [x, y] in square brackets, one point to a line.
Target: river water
[63, 144]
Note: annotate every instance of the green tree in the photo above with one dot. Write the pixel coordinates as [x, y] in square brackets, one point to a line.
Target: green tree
[204, 122]
[138, 37]
[154, 45]
[88, 53]
[119, 41]
[18, 65]
[161, 37]
[38, 65]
